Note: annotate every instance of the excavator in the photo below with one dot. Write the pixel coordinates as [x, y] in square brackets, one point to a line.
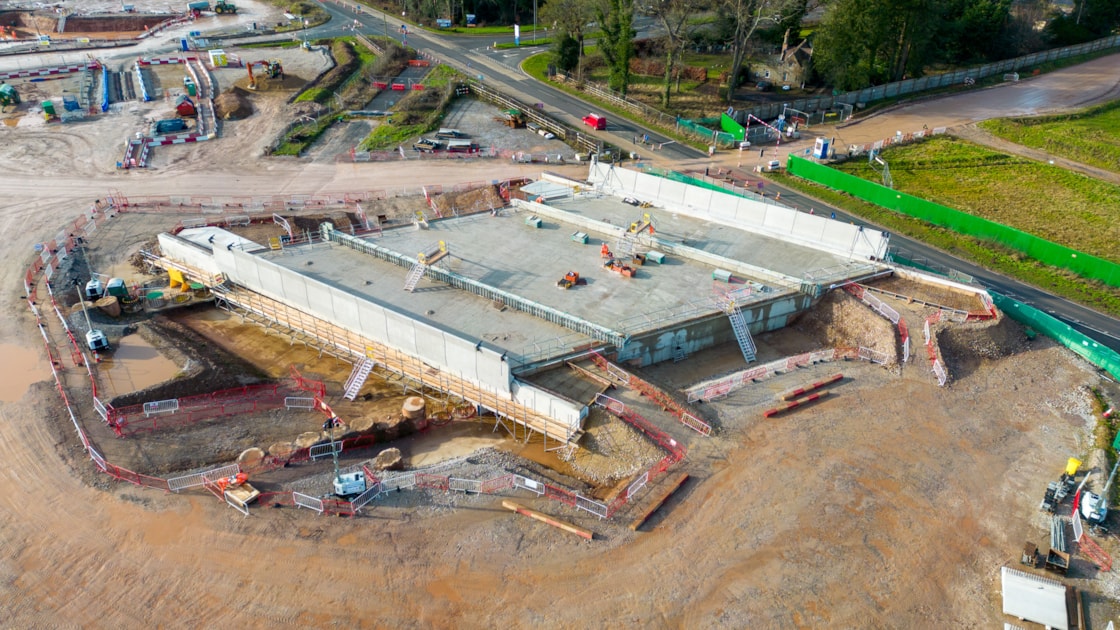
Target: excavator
[272, 67]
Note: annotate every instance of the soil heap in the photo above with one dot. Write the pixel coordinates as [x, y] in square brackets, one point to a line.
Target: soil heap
[232, 105]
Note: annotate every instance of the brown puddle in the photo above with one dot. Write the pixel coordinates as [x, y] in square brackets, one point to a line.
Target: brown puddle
[11, 122]
[133, 365]
[19, 368]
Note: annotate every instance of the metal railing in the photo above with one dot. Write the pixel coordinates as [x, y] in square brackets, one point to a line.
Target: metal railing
[195, 480]
[488, 292]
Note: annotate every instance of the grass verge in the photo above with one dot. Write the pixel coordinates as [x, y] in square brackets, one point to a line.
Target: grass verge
[417, 113]
[987, 254]
[537, 67]
[1091, 136]
[1059, 205]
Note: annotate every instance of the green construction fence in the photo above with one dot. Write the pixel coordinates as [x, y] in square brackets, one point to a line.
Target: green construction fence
[1040, 249]
[1103, 357]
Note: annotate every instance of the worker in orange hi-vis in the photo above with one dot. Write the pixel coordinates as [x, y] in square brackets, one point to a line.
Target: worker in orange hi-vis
[605, 251]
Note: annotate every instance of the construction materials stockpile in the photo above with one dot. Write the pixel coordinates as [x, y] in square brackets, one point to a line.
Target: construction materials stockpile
[232, 105]
[472, 201]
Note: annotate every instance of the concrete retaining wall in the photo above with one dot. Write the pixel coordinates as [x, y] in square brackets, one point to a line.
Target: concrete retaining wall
[769, 219]
[450, 353]
[714, 330]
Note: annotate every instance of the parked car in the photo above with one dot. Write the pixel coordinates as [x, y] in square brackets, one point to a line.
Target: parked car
[595, 121]
[764, 86]
[540, 131]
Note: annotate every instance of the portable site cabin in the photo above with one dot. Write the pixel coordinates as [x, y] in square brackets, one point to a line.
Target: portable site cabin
[184, 107]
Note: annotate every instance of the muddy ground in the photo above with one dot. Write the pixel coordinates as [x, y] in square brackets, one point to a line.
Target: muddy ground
[891, 505]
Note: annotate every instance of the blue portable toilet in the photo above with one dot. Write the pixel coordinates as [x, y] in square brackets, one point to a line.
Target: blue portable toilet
[184, 45]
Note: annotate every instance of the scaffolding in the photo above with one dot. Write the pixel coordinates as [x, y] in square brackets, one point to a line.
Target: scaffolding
[349, 346]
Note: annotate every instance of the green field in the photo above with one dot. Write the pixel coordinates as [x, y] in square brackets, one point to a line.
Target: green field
[1091, 137]
[1061, 206]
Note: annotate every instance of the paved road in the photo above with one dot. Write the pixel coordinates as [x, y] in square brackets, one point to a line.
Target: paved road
[1102, 328]
[500, 68]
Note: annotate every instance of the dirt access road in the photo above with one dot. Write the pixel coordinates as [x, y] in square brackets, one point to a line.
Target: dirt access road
[892, 505]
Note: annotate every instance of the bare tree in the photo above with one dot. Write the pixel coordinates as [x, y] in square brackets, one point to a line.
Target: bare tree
[673, 16]
[746, 16]
[569, 16]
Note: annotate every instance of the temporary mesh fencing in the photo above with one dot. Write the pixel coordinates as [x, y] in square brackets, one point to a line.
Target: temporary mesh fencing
[1084, 346]
[711, 390]
[656, 394]
[1048, 252]
[1098, 354]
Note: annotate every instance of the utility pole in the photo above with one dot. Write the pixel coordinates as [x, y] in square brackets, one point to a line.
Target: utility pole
[534, 21]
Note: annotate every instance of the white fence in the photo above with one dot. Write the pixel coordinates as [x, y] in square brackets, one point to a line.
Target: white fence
[464, 485]
[400, 482]
[711, 390]
[370, 494]
[298, 402]
[304, 501]
[939, 371]
[161, 406]
[637, 485]
[873, 356]
[235, 504]
[99, 407]
[195, 480]
[322, 450]
[531, 485]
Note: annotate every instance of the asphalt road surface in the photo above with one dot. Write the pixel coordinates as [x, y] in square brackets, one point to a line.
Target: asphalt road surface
[500, 69]
[1078, 86]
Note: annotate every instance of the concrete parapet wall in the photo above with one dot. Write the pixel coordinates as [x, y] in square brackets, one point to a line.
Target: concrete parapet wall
[769, 219]
[665, 247]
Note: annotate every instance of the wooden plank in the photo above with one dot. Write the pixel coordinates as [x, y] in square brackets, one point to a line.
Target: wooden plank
[544, 518]
[658, 501]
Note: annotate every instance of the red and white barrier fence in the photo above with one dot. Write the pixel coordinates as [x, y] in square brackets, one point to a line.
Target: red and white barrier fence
[711, 390]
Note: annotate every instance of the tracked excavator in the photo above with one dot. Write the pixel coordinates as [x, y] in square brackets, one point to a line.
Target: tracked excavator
[272, 69]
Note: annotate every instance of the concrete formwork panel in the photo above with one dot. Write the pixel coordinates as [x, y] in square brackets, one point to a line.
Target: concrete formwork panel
[346, 311]
[432, 344]
[401, 334]
[372, 320]
[777, 220]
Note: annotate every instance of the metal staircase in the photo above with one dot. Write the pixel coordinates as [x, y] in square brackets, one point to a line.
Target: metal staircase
[742, 333]
[357, 379]
[418, 270]
[679, 354]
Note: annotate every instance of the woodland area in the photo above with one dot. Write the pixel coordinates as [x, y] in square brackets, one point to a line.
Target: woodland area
[854, 43]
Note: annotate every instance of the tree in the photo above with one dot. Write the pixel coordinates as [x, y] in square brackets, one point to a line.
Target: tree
[673, 16]
[616, 21]
[745, 17]
[565, 52]
[569, 16]
[865, 42]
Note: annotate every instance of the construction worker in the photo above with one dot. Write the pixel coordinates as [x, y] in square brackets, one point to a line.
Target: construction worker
[605, 251]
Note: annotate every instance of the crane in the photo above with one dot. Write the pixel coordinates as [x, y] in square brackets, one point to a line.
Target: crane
[272, 67]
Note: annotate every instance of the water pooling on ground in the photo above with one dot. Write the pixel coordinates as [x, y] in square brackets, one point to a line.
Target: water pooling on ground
[19, 368]
[134, 364]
